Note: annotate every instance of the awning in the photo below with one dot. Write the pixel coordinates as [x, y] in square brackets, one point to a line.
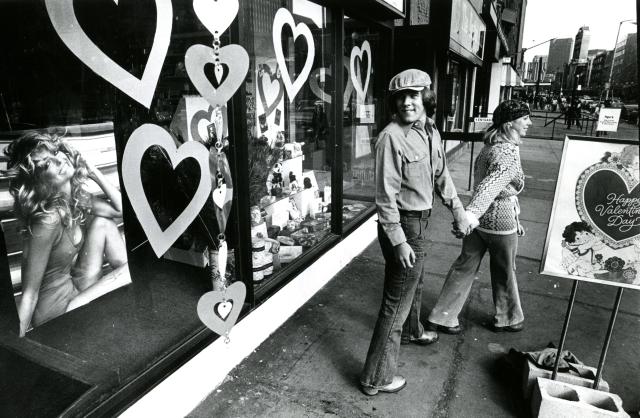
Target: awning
[510, 77]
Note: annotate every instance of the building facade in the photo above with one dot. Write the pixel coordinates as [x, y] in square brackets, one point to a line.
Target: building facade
[581, 44]
[560, 51]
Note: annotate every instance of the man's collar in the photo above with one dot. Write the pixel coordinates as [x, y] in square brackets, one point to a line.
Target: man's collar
[419, 124]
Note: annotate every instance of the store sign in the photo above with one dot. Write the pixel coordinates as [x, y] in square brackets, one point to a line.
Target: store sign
[594, 230]
[467, 30]
[608, 119]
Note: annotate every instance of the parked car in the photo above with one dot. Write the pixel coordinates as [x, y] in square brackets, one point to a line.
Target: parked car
[629, 113]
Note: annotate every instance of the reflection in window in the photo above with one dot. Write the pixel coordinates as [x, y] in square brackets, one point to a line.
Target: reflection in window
[362, 114]
[289, 122]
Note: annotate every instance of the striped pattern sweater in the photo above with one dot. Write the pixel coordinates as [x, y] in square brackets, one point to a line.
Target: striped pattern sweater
[498, 179]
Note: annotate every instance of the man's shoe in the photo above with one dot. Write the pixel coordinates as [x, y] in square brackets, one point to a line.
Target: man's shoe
[447, 330]
[509, 328]
[427, 337]
[397, 384]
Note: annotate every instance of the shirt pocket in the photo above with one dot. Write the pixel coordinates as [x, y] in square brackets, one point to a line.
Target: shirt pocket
[416, 164]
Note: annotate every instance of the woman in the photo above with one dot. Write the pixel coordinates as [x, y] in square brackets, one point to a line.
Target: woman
[68, 233]
[494, 210]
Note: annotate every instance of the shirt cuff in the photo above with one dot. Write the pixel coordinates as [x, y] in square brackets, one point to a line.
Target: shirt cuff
[395, 234]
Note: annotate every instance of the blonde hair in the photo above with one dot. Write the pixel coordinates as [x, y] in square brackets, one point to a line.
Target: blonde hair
[502, 133]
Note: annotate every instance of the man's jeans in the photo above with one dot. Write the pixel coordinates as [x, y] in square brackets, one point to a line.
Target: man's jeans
[400, 311]
[455, 291]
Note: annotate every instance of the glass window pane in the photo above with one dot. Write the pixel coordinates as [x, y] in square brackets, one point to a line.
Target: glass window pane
[289, 94]
[363, 113]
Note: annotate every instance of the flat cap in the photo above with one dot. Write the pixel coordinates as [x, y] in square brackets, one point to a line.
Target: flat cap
[411, 79]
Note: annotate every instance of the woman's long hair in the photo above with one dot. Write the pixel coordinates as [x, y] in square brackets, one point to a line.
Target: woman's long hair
[34, 198]
[502, 133]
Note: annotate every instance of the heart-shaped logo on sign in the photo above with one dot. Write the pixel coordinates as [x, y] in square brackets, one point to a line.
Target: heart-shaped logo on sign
[323, 72]
[284, 17]
[141, 139]
[234, 56]
[216, 15]
[212, 308]
[64, 20]
[272, 84]
[608, 199]
[361, 91]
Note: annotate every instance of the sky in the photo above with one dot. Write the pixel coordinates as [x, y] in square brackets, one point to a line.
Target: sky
[545, 19]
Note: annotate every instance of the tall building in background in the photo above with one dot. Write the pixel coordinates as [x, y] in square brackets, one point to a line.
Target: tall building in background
[537, 69]
[559, 54]
[581, 46]
[591, 56]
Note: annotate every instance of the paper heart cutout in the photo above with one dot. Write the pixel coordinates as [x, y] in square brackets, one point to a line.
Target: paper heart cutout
[200, 116]
[219, 195]
[269, 108]
[64, 20]
[223, 309]
[209, 301]
[361, 91]
[216, 15]
[141, 139]
[320, 94]
[284, 17]
[236, 59]
[608, 199]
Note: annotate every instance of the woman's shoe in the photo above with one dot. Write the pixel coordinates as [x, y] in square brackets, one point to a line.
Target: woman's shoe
[509, 328]
[444, 329]
[397, 384]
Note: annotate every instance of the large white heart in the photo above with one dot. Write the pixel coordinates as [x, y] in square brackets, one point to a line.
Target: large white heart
[63, 18]
[216, 15]
[284, 17]
[211, 309]
[141, 139]
[361, 91]
[234, 56]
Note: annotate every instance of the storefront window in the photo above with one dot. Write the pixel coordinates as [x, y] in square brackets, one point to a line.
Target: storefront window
[455, 89]
[363, 114]
[290, 130]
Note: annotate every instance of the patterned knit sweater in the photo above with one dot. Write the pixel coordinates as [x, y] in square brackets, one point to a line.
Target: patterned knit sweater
[498, 179]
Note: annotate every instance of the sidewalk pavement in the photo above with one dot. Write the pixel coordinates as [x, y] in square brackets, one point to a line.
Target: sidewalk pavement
[311, 365]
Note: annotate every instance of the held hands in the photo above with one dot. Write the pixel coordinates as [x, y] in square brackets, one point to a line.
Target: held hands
[464, 226]
[404, 255]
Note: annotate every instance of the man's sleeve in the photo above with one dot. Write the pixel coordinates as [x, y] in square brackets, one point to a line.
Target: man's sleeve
[388, 182]
[446, 189]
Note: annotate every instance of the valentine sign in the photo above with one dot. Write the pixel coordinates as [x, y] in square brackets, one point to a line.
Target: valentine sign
[594, 230]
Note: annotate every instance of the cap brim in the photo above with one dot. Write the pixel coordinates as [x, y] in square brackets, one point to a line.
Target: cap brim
[413, 88]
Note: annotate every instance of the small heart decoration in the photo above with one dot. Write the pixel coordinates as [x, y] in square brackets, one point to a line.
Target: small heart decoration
[219, 195]
[64, 21]
[204, 117]
[608, 199]
[320, 94]
[209, 315]
[223, 309]
[236, 59]
[141, 139]
[284, 17]
[272, 84]
[356, 52]
[216, 15]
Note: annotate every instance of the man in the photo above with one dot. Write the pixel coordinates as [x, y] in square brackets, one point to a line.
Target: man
[410, 167]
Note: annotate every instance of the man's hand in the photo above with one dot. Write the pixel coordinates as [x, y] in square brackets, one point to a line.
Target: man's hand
[404, 255]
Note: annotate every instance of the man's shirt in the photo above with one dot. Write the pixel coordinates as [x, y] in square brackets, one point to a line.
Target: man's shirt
[410, 166]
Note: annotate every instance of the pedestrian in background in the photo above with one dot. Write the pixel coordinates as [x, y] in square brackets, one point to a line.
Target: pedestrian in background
[494, 209]
[410, 166]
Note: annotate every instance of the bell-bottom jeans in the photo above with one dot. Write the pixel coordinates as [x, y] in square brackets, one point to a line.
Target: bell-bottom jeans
[399, 315]
[502, 265]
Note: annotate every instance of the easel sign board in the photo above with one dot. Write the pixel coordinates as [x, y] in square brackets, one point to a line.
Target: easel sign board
[594, 230]
[608, 119]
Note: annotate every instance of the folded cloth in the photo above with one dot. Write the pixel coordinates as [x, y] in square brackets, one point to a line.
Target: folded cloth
[546, 359]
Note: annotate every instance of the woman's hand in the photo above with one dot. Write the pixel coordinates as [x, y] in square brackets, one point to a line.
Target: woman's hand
[521, 232]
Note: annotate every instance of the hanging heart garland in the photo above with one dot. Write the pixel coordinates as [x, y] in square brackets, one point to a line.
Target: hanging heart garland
[64, 20]
[284, 17]
[361, 90]
[141, 139]
[236, 59]
[219, 309]
[216, 15]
